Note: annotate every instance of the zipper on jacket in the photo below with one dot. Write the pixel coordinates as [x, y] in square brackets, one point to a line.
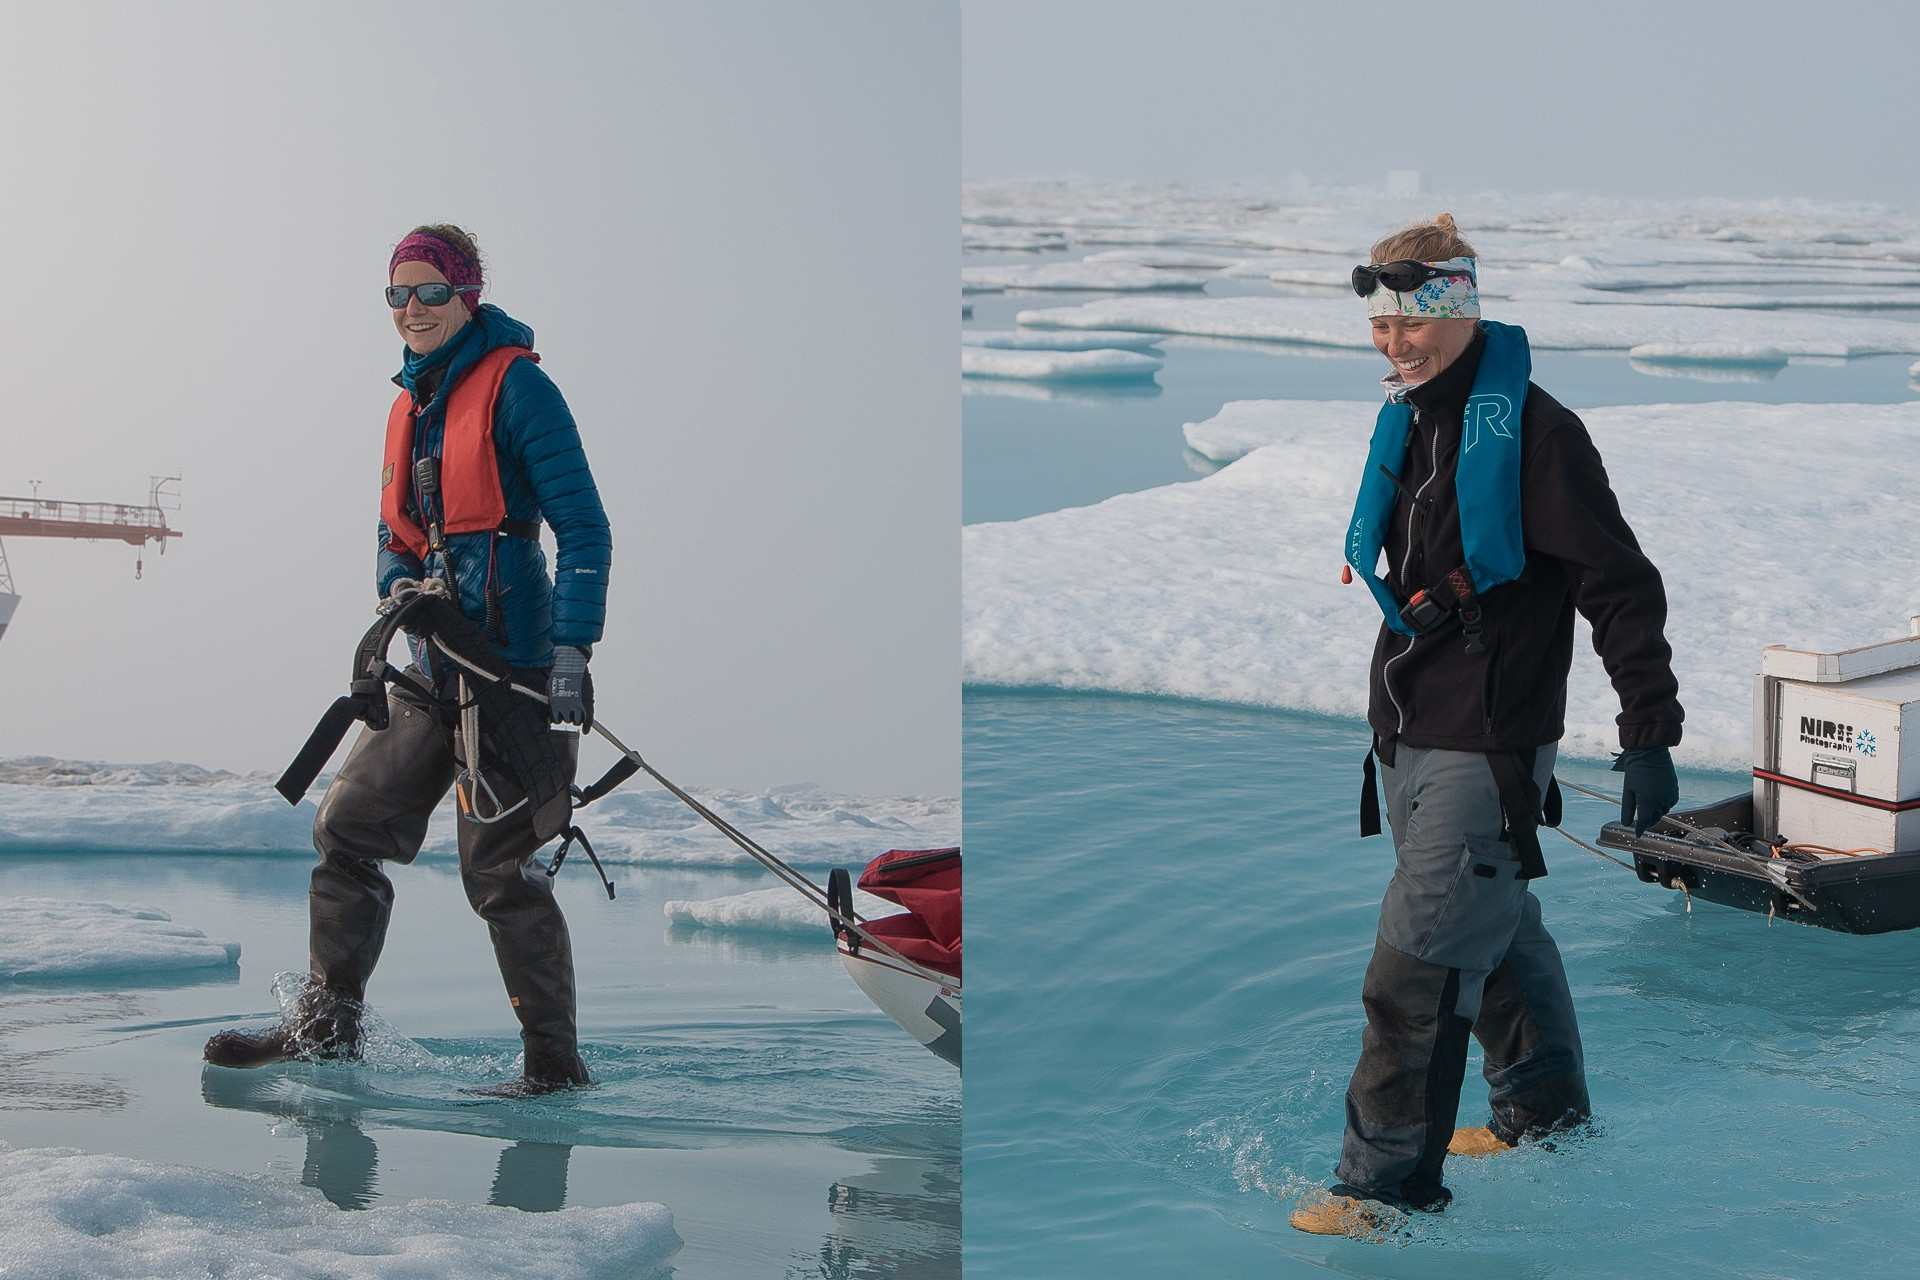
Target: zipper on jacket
[1406, 562]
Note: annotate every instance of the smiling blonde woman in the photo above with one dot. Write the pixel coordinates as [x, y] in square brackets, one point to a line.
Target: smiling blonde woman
[1488, 504]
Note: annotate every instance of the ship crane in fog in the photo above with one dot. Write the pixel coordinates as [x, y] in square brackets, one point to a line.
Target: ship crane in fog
[38, 517]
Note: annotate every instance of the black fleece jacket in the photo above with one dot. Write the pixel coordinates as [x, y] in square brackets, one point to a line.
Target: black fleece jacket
[1428, 691]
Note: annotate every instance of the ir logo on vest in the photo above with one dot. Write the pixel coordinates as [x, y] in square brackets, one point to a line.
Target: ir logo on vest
[1490, 410]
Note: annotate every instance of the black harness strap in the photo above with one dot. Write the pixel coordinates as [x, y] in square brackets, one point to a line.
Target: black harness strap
[366, 700]
[1369, 799]
[622, 769]
[1520, 807]
[560, 856]
[321, 742]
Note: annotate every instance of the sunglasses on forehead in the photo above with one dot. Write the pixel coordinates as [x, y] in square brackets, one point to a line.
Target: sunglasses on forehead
[430, 295]
[1401, 277]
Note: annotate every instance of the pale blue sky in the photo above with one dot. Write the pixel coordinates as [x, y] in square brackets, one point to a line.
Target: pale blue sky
[730, 226]
[1633, 98]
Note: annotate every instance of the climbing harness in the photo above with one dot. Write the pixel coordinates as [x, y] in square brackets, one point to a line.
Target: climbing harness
[507, 723]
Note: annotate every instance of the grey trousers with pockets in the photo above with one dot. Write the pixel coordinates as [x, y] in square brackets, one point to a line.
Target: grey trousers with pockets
[1461, 949]
[376, 812]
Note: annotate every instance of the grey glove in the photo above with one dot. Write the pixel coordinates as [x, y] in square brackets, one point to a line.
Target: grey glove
[1650, 788]
[567, 686]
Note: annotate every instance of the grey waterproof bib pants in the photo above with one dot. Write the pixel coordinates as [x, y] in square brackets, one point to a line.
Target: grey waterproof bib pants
[376, 812]
[1461, 947]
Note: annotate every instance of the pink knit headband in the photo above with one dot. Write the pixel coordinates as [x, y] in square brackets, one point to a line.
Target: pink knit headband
[456, 266]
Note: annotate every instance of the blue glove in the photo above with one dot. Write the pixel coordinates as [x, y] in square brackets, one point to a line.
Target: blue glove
[567, 686]
[1650, 789]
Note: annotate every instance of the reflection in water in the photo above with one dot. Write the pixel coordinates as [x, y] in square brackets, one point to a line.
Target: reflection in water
[532, 1176]
[1705, 372]
[342, 1160]
[900, 1219]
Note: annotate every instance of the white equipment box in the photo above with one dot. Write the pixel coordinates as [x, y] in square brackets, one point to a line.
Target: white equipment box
[1837, 746]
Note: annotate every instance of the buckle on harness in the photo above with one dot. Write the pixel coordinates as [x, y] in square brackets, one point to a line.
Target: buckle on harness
[1422, 613]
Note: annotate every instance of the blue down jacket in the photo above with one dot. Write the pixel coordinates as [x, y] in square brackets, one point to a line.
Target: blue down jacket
[543, 476]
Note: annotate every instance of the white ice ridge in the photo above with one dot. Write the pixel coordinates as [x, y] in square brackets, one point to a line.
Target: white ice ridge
[138, 807]
[1771, 524]
[992, 239]
[1550, 325]
[1060, 339]
[1165, 259]
[1056, 366]
[1707, 353]
[769, 911]
[70, 1216]
[49, 938]
[1113, 277]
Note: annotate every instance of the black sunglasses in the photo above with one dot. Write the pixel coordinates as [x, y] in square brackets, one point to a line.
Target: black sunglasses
[1401, 277]
[430, 295]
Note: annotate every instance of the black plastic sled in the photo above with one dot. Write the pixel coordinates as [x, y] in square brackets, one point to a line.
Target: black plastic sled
[1872, 893]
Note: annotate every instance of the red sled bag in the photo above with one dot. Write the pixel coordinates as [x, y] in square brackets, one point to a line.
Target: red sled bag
[927, 883]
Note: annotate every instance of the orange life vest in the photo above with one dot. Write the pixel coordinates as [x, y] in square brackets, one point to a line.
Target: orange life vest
[469, 467]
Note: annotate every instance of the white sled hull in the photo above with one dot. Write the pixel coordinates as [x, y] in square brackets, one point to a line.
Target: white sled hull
[926, 1010]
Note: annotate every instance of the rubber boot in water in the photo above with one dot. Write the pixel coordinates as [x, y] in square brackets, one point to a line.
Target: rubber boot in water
[323, 1025]
[542, 993]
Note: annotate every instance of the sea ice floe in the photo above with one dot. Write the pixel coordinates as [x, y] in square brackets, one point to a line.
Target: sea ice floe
[1734, 353]
[1771, 523]
[1117, 277]
[1550, 325]
[73, 1216]
[50, 938]
[1165, 259]
[1000, 240]
[1056, 366]
[769, 911]
[1061, 339]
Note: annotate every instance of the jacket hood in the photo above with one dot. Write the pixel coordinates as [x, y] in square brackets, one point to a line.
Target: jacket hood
[500, 329]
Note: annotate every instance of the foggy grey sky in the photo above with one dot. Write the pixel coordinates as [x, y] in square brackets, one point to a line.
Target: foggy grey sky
[1632, 98]
[731, 228]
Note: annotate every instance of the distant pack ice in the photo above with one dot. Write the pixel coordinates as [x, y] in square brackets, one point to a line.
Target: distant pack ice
[51, 805]
[1550, 325]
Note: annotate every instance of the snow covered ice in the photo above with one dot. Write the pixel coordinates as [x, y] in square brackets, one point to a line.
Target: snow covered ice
[769, 911]
[1105, 277]
[48, 938]
[1228, 589]
[74, 1216]
[1706, 353]
[992, 362]
[1060, 339]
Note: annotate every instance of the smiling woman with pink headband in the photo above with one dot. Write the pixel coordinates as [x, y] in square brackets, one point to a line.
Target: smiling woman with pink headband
[480, 451]
[1487, 502]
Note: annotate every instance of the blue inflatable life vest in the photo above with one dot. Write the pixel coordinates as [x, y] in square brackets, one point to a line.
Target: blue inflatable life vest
[1486, 477]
